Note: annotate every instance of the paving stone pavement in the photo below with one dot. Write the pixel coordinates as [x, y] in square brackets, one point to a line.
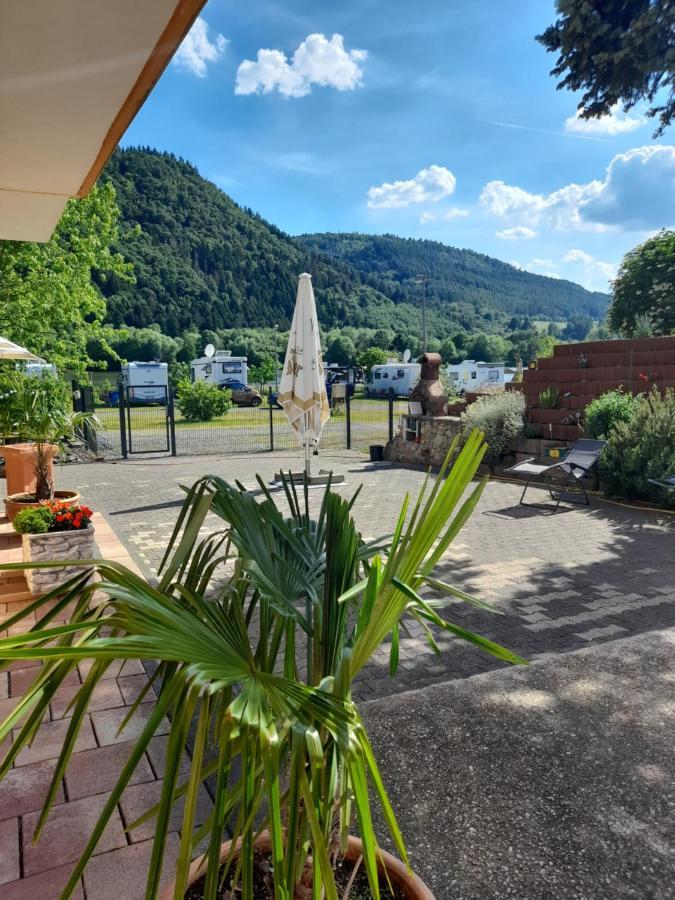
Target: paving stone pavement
[564, 580]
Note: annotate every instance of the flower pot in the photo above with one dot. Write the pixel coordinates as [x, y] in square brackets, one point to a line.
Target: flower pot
[20, 466]
[16, 502]
[75, 544]
[412, 887]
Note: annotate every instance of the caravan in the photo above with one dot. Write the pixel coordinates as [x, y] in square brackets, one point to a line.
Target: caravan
[146, 382]
[402, 377]
[219, 367]
[470, 375]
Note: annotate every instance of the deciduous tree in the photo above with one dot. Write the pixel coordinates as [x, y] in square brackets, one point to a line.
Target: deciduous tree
[645, 286]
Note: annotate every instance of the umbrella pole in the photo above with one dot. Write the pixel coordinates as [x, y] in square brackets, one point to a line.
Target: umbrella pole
[308, 465]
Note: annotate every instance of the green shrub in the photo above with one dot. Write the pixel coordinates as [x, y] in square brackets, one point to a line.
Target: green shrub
[201, 402]
[33, 520]
[501, 419]
[605, 411]
[642, 448]
[549, 397]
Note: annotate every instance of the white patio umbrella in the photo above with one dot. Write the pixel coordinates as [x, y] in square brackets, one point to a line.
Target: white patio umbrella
[10, 350]
[302, 390]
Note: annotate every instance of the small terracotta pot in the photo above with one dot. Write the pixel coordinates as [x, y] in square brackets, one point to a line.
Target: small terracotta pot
[413, 887]
[14, 503]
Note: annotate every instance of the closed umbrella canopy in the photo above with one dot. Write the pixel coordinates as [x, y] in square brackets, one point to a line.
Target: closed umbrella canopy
[10, 350]
[302, 390]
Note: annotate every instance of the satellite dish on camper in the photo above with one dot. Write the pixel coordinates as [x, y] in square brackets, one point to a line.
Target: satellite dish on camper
[406, 356]
[209, 350]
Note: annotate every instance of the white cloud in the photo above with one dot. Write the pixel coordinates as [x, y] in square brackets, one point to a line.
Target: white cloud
[197, 50]
[447, 215]
[316, 61]
[638, 191]
[615, 123]
[559, 209]
[595, 272]
[514, 234]
[428, 186]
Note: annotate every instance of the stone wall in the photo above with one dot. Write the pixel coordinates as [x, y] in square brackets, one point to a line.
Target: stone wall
[435, 436]
[54, 545]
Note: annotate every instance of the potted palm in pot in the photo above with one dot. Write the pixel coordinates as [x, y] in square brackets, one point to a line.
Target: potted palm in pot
[44, 423]
[259, 631]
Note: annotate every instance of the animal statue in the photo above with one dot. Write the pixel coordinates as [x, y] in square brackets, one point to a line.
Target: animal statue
[429, 390]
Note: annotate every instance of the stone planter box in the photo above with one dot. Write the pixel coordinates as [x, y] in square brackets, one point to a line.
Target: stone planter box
[55, 545]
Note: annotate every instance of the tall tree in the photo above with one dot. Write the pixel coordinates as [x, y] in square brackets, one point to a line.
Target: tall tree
[645, 286]
[616, 51]
[48, 300]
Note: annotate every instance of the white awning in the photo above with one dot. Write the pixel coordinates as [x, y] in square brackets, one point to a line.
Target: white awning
[72, 77]
[10, 350]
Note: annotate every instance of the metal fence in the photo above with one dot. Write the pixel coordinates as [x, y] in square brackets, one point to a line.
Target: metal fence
[132, 425]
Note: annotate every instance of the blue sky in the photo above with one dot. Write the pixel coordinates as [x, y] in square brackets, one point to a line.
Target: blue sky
[425, 119]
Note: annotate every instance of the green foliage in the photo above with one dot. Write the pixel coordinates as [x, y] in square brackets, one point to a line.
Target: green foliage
[264, 372]
[34, 520]
[341, 350]
[38, 409]
[137, 345]
[549, 397]
[501, 418]
[642, 448]
[616, 51]
[645, 285]
[258, 668]
[202, 262]
[466, 289]
[486, 347]
[178, 371]
[373, 356]
[449, 351]
[605, 411]
[49, 301]
[201, 401]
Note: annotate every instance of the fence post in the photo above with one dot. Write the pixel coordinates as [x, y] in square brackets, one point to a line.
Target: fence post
[391, 414]
[348, 417]
[269, 401]
[123, 422]
[171, 411]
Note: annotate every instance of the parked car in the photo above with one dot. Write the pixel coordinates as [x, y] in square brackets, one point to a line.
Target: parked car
[243, 394]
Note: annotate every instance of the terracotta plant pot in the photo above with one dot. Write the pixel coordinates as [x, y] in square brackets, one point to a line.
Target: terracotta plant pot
[14, 503]
[412, 887]
[75, 544]
[20, 466]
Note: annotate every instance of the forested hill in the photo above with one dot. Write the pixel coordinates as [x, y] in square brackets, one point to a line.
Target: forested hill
[455, 277]
[203, 262]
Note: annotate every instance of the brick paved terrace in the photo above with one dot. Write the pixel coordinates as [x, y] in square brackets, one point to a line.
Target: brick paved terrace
[577, 579]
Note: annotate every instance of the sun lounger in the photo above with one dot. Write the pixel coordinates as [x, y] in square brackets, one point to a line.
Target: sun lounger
[564, 480]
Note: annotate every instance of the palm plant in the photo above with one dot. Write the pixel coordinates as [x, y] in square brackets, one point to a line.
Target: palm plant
[37, 409]
[259, 631]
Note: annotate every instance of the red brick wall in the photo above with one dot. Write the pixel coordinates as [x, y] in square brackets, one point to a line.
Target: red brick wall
[611, 364]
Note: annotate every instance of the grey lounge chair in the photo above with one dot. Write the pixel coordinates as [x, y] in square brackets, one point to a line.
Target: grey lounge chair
[667, 483]
[560, 477]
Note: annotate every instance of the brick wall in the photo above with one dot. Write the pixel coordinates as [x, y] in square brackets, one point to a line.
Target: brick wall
[611, 364]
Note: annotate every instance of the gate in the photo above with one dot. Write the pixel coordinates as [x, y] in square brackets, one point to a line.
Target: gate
[145, 420]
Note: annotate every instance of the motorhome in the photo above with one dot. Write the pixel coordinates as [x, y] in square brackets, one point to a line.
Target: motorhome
[220, 368]
[39, 368]
[400, 376]
[471, 374]
[146, 382]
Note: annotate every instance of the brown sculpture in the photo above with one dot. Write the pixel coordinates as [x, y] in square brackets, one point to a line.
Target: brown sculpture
[429, 390]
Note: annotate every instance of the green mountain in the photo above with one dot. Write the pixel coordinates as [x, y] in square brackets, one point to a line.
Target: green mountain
[455, 279]
[203, 262]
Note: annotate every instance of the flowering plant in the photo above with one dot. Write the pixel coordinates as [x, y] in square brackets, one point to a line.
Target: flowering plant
[52, 515]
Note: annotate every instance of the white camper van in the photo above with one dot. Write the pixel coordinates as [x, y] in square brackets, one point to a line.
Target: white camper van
[470, 374]
[147, 382]
[33, 367]
[220, 368]
[400, 376]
